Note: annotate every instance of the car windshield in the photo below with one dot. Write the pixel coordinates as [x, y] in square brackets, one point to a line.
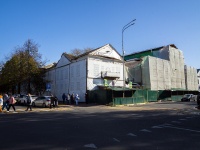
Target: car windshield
[187, 96]
[48, 96]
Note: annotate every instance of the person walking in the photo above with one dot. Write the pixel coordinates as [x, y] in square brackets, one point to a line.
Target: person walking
[86, 98]
[72, 98]
[53, 101]
[12, 102]
[68, 99]
[77, 99]
[63, 97]
[5, 101]
[29, 102]
[1, 102]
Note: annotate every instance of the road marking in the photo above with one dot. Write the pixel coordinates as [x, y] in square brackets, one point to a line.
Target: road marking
[176, 122]
[145, 130]
[166, 126]
[131, 134]
[189, 117]
[156, 127]
[195, 113]
[183, 119]
[90, 146]
[116, 140]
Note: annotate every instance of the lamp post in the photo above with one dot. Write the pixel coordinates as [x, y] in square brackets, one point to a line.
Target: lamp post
[123, 52]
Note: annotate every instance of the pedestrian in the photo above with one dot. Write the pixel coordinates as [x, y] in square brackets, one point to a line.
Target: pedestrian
[86, 98]
[29, 102]
[68, 99]
[77, 99]
[52, 101]
[1, 102]
[12, 102]
[63, 97]
[5, 101]
[55, 101]
[72, 98]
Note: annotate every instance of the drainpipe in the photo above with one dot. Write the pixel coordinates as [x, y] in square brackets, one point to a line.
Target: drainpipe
[69, 78]
[55, 91]
[86, 79]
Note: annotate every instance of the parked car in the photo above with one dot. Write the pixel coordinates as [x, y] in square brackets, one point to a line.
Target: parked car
[43, 101]
[188, 97]
[198, 99]
[23, 99]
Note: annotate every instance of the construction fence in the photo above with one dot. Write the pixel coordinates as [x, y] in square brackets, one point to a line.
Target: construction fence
[123, 97]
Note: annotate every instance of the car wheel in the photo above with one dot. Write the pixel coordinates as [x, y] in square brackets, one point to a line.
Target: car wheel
[33, 104]
[43, 105]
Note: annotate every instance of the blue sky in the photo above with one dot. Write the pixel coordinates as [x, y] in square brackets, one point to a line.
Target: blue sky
[62, 25]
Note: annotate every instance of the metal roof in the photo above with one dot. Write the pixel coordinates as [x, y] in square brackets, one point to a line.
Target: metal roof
[152, 49]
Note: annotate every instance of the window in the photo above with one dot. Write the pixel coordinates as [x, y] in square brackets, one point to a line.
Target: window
[78, 85]
[61, 74]
[72, 72]
[117, 69]
[102, 68]
[57, 75]
[96, 70]
[78, 71]
[66, 73]
[72, 86]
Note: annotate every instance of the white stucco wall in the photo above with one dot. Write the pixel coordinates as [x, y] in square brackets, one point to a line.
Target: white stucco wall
[69, 78]
[96, 66]
[84, 73]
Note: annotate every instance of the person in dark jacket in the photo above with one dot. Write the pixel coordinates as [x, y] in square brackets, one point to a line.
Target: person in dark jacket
[29, 102]
[54, 101]
[63, 97]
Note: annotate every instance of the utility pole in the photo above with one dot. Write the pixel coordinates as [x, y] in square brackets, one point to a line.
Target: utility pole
[123, 52]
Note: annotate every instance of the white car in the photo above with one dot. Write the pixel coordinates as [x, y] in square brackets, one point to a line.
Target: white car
[43, 101]
[188, 97]
[23, 99]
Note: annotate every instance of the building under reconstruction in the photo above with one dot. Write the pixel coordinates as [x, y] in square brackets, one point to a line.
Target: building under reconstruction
[161, 71]
[150, 75]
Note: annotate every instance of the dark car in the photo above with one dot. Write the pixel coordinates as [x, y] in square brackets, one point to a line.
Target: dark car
[187, 98]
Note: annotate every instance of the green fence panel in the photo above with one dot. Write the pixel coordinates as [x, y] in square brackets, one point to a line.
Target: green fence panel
[152, 96]
[108, 96]
[117, 101]
[100, 96]
[176, 97]
[164, 95]
[129, 100]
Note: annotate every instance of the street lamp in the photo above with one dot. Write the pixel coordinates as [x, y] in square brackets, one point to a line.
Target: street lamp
[123, 52]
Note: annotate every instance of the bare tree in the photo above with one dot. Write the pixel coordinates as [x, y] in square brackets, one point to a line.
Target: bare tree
[77, 52]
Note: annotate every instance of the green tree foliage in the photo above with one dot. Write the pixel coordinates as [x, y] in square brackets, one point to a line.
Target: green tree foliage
[23, 67]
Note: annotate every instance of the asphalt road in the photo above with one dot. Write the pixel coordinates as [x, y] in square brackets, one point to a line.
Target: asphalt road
[156, 126]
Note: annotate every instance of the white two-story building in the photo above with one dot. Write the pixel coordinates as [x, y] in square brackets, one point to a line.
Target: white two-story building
[86, 72]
